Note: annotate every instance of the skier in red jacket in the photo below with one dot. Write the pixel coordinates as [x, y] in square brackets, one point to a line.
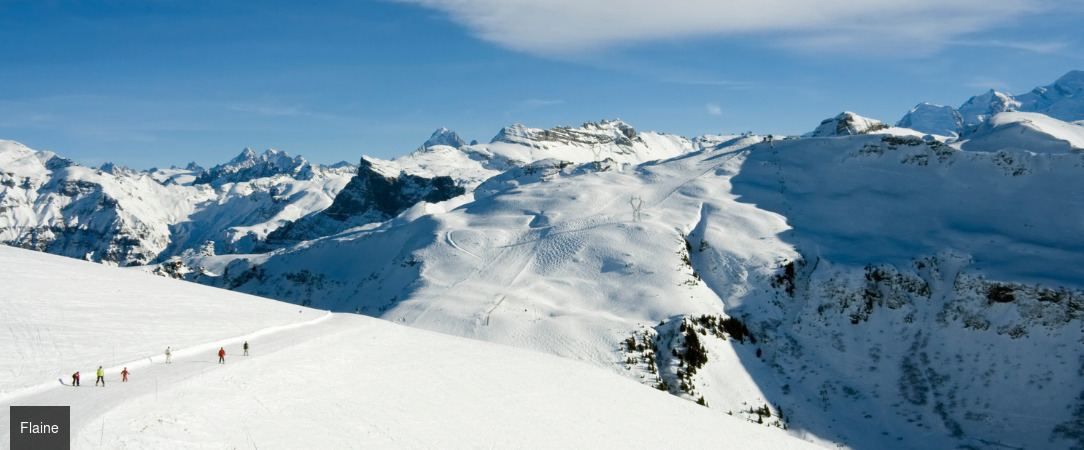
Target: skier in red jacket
[75, 379]
[125, 374]
[221, 355]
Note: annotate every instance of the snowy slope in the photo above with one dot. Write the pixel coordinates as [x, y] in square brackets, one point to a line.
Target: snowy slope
[438, 171]
[1031, 131]
[64, 315]
[799, 267]
[947, 275]
[313, 379]
[842, 255]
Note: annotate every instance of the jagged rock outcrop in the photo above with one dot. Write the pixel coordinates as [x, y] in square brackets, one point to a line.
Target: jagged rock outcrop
[617, 132]
[444, 136]
[375, 194]
[847, 124]
[249, 166]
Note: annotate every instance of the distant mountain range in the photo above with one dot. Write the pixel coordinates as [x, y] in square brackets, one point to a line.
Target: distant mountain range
[876, 286]
[1062, 100]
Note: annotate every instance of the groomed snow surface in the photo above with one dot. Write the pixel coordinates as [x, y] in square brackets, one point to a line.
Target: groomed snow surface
[313, 380]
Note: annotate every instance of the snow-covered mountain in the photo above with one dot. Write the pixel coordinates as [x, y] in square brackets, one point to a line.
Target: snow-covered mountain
[256, 202]
[847, 124]
[121, 216]
[445, 167]
[443, 136]
[873, 286]
[809, 263]
[933, 119]
[51, 204]
[1062, 100]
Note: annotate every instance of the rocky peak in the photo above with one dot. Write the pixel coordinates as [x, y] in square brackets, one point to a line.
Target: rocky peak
[981, 107]
[245, 159]
[114, 169]
[248, 166]
[590, 133]
[444, 136]
[846, 124]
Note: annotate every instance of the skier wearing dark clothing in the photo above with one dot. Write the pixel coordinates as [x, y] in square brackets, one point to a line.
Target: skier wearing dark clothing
[246, 348]
[101, 377]
[75, 379]
[222, 356]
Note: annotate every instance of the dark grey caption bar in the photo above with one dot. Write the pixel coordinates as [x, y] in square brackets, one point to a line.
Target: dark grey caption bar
[40, 427]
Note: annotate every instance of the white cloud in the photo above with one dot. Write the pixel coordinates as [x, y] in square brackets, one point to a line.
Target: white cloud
[1049, 47]
[714, 109]
[566, 27]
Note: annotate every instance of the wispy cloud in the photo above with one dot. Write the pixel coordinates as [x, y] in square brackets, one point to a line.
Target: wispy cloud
[714, 109]
[1045, 48]
[563, 27]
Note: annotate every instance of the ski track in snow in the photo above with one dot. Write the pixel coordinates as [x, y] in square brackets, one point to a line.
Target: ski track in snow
[349, 381]
[150, 374]
[451, 241]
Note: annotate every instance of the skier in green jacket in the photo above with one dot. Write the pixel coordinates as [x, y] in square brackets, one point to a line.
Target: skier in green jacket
[101, 377]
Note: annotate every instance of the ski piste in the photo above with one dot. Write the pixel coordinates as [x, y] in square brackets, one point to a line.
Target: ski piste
[485, 388]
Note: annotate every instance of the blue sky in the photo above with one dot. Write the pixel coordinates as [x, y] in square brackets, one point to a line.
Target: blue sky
[162, 82]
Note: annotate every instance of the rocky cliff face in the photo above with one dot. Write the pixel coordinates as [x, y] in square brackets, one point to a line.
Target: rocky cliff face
[617, 133]
[444, 136]
[249, 166]
[371, 196]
